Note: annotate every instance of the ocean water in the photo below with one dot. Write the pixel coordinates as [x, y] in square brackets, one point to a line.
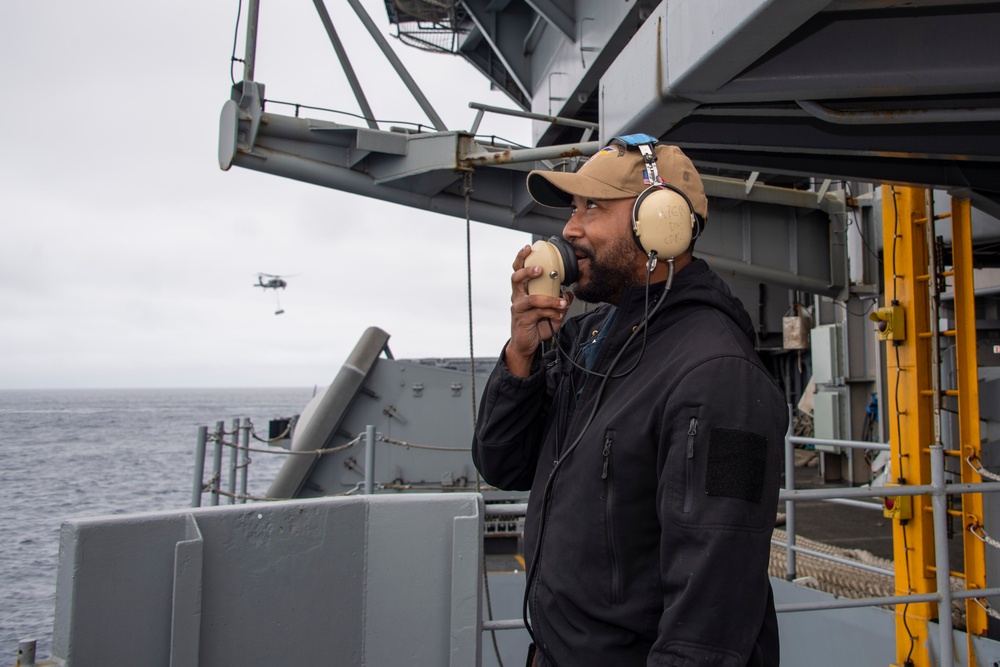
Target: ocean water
[76, 453]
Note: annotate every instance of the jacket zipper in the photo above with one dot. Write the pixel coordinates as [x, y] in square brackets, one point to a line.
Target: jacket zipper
[609, 501]
[689, 467]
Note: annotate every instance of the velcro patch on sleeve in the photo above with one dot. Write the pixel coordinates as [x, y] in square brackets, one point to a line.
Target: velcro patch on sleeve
[736, 464]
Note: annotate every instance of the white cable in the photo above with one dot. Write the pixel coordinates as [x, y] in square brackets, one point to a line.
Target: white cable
[986, 607]
[981, 470]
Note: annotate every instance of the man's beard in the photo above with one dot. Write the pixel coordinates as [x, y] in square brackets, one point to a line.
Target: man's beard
[610, 274]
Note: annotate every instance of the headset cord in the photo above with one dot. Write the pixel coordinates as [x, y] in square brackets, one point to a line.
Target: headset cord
[642, 325]
[547, 491]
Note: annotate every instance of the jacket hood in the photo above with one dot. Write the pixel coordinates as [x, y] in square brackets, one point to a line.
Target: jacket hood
[695, 285]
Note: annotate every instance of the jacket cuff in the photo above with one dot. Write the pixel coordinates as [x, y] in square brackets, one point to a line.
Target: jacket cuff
[536, 377]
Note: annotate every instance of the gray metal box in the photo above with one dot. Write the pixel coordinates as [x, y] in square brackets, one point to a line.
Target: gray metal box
[827, 354]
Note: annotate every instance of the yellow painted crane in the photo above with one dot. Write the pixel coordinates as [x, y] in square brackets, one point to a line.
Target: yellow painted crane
[910, 324]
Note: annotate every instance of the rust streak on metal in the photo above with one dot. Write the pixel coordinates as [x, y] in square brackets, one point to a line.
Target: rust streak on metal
[508, 156]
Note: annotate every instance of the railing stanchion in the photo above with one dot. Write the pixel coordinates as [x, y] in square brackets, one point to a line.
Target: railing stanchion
[789, 504]
[220, 433]
[370, 459]
[246, 461]
[942, 565]
[199, 466]
[234, 454]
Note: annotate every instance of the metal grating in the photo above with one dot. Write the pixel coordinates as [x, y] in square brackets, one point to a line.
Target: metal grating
[430, 25]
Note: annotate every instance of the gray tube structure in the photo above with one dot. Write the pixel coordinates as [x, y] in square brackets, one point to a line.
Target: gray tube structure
[317, 432]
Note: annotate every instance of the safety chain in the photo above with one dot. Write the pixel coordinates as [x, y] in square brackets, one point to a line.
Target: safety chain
[980, 469]
[408, 445]
[284, 434]
[218, 436]
[208, 486]
[312, 452]
[331, 450]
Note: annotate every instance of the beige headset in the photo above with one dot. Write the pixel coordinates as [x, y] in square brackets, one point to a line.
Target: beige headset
[663, 220]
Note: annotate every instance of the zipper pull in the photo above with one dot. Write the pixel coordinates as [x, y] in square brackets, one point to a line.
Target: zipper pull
[692, 431]
[607, 457]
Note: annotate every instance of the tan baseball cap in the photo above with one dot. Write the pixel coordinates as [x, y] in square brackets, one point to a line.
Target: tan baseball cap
[615, 172]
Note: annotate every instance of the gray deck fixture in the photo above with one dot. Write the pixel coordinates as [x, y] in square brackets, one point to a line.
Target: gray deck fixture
[421, 411]
[368, 580]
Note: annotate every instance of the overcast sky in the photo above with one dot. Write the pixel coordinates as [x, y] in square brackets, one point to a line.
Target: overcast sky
[127, 257]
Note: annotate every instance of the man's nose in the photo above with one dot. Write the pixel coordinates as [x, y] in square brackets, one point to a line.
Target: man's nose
[573, 229]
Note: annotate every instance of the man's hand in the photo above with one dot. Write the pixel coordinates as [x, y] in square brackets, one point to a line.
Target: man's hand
[533, 319]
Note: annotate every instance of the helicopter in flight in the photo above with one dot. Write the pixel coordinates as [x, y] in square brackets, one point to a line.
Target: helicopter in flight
[272, 282]
[268, 281]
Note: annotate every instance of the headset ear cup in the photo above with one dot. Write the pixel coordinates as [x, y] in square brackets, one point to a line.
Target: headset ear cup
[571, 272]
[558, 262]
[663, 222]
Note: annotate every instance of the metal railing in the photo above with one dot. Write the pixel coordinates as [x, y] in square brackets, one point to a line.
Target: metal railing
[848, 496]
[938, 490]
[239, 462]
[237, 468]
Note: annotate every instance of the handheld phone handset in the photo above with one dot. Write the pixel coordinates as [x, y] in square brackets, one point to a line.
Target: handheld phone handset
[558, 262]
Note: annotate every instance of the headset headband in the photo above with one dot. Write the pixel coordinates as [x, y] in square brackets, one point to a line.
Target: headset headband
[646, 145]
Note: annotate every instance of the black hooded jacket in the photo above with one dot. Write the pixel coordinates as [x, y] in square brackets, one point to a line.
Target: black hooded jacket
[649, 544]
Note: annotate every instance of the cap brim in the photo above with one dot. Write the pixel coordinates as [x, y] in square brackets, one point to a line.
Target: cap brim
[556, 189]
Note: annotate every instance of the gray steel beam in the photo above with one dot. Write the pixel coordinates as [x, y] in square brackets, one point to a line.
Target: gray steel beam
[710, 42]
[787, 50]
[727, 267]
[979, 177]
[345, 62]
[918, 52]
[555, 120]
[280, 163]
[557, 13]
[424, 171]
[250, 49]
[475, 156]
[489, 33]
[397, 64]
[573, 69]
[650, 83]
[900, 116]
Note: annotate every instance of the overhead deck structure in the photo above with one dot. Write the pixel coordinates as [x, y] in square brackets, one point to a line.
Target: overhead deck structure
[878, 90]
[759, 93]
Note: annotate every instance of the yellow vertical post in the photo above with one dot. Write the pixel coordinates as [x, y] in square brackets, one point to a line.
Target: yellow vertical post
[909, 411]
[967, 383]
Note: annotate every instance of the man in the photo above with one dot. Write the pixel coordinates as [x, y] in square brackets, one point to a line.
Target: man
[649, 434]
